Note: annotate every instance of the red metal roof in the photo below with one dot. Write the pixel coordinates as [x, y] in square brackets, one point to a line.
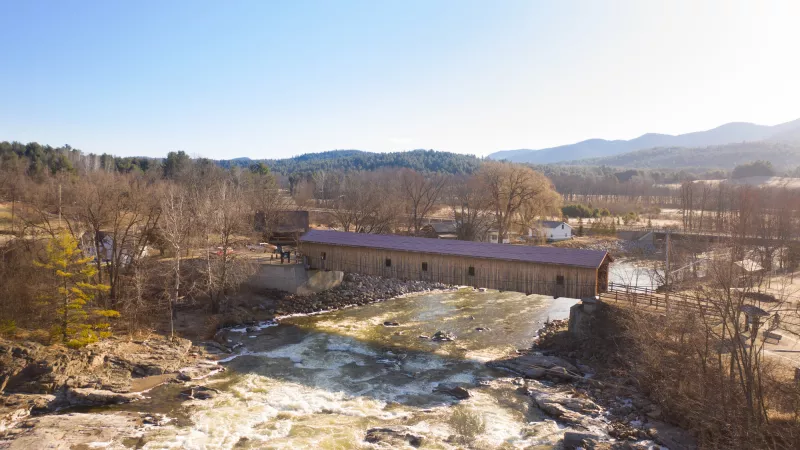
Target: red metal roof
[525, 253]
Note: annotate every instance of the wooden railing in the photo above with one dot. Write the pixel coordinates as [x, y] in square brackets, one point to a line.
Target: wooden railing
[647, 297]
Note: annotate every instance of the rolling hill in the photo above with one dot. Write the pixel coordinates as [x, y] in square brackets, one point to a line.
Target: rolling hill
[730, 133]
[421, 160]
[782, 155]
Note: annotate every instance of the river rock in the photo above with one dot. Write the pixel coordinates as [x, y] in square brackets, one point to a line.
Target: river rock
[670, 436]
[453, 390]
[556, 404]
[532, 365]
[98, 397]
[558, 373]
[77, 431]
[443, 336]
[200, 392]
[16, 408]
[201, 370]
[573, 440]
[393, 437]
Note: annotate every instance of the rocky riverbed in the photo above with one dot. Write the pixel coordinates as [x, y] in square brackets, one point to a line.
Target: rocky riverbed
[40, 379]
[369, 376]
[589, 398]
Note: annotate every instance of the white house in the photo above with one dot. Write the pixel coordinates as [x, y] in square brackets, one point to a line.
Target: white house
[106, 247]
[552, 230]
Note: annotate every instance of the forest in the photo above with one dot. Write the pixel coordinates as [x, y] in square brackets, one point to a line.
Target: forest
[346, 160]
[39, 158]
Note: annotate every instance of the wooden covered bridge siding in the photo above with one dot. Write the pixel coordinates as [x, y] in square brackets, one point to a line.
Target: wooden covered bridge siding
[558, 280]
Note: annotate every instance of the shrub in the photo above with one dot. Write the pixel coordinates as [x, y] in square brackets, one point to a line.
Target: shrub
[578, 210]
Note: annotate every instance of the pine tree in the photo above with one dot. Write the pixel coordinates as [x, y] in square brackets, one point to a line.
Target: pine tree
[580, 227]
[79, 322]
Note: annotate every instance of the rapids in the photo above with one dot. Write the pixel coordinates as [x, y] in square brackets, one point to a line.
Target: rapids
[322, 381]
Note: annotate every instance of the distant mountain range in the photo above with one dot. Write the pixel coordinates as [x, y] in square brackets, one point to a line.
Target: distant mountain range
[596, 149]
[782, 155]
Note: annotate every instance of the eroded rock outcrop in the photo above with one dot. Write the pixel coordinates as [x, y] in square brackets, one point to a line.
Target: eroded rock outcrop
[40, 379]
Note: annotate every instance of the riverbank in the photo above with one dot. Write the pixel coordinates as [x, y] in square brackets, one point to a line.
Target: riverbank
[355, 290]
[594, 391]
[38, 380]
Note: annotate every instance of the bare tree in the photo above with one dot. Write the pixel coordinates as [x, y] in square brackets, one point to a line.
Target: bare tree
[231, 216]
[421, 192]
[176, 224]
[548, 203]
[470, 205]
[510, 187]
[366, 203]
[267, 201]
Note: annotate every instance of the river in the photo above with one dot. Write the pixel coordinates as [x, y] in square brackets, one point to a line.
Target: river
[322, 381]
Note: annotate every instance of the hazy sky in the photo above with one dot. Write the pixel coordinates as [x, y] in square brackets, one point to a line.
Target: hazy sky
[269, 79]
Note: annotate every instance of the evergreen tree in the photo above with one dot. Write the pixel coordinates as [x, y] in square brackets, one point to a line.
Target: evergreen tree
[80, 323]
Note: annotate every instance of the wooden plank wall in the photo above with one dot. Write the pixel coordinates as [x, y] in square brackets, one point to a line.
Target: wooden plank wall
[528, 278]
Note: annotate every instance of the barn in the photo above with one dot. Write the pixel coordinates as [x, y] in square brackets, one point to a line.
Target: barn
[559, 272]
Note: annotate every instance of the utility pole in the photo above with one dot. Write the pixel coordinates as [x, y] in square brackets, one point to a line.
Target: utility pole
[13, 201]
[666, 273]
[59, 206]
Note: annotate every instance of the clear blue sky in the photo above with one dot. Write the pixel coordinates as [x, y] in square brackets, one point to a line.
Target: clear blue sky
[269, 79]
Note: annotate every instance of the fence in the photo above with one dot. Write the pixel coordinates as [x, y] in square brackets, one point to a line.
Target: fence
[650, 298]
[678, 231]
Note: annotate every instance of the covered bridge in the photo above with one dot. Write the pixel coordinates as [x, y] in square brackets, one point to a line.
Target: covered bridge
[559, 272]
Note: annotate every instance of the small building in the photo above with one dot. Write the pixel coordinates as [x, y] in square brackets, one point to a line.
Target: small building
[493, 236]
[440, 230]
[284, 227]
[747, 268]
[552, 230]
[559, 272]
[104, 244]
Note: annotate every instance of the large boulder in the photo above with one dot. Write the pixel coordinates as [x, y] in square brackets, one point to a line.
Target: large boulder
[453, 390]
[670, 436]
[78, 431]
[392, 437]
[98, 397]
[444, 336]
[573, 440]
[533, 365]
[556, 404]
